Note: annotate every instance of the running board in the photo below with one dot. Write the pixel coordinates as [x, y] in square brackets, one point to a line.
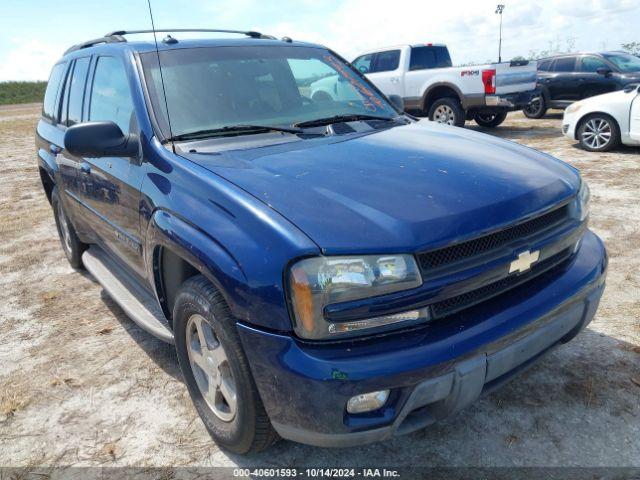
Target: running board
[137, 303]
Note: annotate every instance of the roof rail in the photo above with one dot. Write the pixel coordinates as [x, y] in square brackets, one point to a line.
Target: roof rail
[249, 33]
[118, 36]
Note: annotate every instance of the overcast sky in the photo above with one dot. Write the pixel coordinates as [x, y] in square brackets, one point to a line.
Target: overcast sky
[34, 33]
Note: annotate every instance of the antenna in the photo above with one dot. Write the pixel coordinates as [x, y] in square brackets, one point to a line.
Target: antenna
[164, 93]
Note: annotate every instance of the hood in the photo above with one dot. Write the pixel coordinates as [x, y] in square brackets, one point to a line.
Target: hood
[402, 189]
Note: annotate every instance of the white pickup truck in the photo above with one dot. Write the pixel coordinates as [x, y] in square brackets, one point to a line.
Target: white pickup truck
[423, 77]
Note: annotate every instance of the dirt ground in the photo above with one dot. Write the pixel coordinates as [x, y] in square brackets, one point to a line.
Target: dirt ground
[81, 384]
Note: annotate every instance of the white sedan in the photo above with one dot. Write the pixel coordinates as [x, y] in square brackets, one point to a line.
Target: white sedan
[603, 122]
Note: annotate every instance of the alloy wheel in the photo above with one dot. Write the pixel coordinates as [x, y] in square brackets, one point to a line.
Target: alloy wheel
[596, 133]
[211, 369]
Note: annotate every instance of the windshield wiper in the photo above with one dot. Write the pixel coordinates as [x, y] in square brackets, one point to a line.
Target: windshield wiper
[231, 129]
[341, 118]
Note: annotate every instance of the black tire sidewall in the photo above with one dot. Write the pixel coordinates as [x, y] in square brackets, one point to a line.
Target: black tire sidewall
[77, 247]
[615, 133]
[238, 434]
[540, 112]
[454, 104]
[497, 120]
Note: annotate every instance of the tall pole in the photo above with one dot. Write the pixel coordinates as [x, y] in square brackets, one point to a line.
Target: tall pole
[499, 10]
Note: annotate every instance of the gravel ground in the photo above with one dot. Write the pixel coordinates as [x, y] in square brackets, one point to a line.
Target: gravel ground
[81, 384]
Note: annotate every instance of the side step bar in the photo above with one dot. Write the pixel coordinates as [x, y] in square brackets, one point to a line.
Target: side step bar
[137, 303]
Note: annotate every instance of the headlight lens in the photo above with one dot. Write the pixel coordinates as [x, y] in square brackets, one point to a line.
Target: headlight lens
[320, 281]
[584, 200]
[574, 107]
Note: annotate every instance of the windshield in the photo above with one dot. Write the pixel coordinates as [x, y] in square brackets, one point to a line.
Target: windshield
[624, 61]
[212, 88]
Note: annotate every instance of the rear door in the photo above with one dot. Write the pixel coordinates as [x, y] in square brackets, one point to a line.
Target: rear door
[71, 102]
[562, 81]
[385, 72]
[590, 81]
[110, 186]
[424, 62]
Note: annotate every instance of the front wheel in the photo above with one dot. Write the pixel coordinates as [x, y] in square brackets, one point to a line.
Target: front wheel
[216, 369]
[447, 110]
[490, 120]
[598, 133]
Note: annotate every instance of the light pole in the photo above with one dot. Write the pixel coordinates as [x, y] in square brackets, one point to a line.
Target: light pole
[499, 10]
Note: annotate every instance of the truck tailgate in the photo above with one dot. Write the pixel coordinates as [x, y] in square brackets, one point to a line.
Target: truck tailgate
[515, 77]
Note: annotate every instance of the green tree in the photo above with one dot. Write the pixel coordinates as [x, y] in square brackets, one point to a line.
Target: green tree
[632, 47]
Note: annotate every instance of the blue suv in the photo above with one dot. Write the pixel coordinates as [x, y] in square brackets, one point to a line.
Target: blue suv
[330, 271]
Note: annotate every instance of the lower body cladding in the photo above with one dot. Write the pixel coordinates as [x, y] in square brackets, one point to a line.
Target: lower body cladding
[430, 372]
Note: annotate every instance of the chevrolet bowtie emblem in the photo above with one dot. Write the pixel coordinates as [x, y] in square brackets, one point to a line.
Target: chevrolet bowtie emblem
[524, 261]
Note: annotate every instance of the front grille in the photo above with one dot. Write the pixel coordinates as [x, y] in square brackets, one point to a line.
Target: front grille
[465, 300]
[453, 253]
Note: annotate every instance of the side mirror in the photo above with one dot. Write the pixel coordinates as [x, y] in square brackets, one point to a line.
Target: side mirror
[603, 71]
[100, 139]
[397, 101]
[363, 69]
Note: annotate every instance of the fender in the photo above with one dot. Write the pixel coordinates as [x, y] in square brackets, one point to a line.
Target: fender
[433, 86]
[194, 246]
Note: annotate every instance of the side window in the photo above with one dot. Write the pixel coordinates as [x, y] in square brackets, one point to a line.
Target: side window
[566, 64]
[51, 93]
[76, 90]
[591, 64]
[423, 58]
[386, 61]
[363, 63]
[110, 95]
[64, 98]
[544, 65]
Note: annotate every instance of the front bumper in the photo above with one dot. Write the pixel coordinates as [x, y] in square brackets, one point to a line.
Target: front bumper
[433, 371]
[569, 122]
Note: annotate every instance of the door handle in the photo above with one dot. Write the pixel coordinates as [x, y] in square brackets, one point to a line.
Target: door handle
[85, 168]
[395, 79]
[55, 149]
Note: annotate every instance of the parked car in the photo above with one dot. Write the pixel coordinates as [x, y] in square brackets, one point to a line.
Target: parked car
[331, 272]
[601, 123]
[423, 76]
[565, 79]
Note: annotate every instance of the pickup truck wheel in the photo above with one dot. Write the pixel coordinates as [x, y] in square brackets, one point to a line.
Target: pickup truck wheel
[216, 369]
[447, 110]
[71, 245]
[490, 120]
[536, 109]
[598, 133]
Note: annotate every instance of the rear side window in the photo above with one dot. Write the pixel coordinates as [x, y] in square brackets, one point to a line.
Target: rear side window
[51, 92]
[386, 61]
[591, 64]
[76, 90]
[423, 58]
[110, 94]
[566, 64]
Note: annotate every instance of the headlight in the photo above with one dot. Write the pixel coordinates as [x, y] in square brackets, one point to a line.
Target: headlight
[317, 282]
[584, 199]
[574, 107]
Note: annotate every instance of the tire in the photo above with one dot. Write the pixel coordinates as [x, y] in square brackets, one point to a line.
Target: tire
[536, 109]
[71, 245]
[490, 120]
[598, 133]
[447, 110]
[200, 312]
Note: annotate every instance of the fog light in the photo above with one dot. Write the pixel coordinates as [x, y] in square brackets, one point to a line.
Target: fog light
[367, 402]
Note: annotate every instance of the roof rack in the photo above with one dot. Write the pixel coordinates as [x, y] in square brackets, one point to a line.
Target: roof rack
[118, 36]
